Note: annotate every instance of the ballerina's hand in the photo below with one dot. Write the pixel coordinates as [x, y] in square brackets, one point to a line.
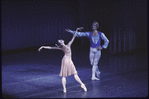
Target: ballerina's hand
[56, 45]
[40, 49]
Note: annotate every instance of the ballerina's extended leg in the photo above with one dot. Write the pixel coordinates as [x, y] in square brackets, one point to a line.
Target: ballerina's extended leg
[78, 80]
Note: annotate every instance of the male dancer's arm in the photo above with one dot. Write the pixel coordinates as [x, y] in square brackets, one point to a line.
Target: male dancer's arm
[79, 34]
[106, 41]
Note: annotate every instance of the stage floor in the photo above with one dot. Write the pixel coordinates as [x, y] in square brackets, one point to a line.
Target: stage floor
[36, 75]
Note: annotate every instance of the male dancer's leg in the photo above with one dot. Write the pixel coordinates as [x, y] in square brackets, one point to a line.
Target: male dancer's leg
[91, 57]
[96, 60]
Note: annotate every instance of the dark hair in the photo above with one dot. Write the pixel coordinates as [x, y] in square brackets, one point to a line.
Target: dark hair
[97, 25]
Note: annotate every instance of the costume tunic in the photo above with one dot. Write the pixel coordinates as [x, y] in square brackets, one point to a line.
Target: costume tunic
[94, 40]
[67, 65]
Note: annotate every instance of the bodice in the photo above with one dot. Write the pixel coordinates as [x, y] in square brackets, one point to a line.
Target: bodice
[67, 50]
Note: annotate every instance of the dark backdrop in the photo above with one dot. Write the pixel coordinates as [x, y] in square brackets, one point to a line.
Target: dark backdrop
[30, 23]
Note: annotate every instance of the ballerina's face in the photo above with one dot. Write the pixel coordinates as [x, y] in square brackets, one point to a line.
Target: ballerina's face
[61, 42]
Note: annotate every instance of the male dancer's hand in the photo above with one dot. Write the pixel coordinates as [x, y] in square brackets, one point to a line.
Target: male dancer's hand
[79, 28]
[99, 48]
[68, 30]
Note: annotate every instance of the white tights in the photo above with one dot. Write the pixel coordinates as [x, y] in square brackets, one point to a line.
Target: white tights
[94, 57]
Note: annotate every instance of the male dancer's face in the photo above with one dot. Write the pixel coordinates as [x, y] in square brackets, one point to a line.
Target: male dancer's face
[94, 27]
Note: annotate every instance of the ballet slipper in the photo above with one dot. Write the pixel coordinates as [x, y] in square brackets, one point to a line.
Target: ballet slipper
[64, 90]
[95, 78]
[83, 86]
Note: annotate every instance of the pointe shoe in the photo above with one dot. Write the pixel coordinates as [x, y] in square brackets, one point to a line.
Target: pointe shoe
[95, 78]
[64, 90]
[83, 86]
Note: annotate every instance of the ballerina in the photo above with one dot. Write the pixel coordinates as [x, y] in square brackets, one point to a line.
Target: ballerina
[67, 65]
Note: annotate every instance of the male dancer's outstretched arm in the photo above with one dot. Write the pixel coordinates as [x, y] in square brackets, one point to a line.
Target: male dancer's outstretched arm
[79, 34]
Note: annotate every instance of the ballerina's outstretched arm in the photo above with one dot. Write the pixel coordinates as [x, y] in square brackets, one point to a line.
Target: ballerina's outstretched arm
[48, 47]
[70, 42]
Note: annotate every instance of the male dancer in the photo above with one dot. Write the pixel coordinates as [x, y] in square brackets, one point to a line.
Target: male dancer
[95, 47]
